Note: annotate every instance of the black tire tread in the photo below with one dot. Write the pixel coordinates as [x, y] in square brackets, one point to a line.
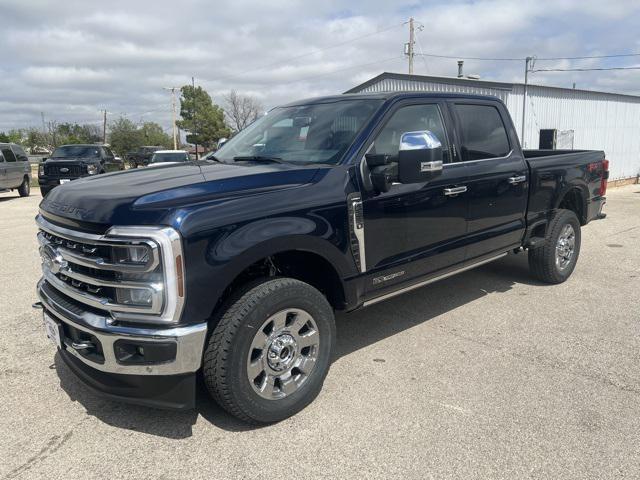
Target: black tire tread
[215, 362]
[23, 189]
[542, 259]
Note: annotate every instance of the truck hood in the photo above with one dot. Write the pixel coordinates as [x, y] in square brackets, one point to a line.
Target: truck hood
[149, 195]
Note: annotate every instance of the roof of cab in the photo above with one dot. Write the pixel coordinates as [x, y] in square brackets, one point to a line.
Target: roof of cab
[387, 96]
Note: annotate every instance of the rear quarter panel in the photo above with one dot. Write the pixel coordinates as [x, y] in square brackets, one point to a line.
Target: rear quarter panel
[553, 175]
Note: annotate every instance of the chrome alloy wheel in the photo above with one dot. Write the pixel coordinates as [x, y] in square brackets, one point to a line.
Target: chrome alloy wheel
[565, 247]
[283, 353]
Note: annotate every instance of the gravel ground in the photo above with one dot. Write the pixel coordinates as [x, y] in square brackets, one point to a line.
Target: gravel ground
[488, 374]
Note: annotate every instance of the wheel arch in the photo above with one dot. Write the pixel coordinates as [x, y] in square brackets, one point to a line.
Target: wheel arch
[574, 198]
[309, 259]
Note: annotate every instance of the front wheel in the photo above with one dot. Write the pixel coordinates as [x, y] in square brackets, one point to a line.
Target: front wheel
[554, 261]
[25, 187]
[270, 352]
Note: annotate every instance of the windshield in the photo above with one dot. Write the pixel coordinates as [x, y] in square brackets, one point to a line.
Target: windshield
[169, 157]
[305, 134]
[76, 151]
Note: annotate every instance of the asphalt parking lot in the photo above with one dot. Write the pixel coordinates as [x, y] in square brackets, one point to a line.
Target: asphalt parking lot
[485, 375]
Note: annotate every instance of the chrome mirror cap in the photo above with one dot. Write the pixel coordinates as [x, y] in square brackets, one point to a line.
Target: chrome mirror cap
[420, 140]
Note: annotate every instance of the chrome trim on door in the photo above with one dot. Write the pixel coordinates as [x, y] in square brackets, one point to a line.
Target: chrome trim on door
[431, 280]
[452, 191]
[517, 179]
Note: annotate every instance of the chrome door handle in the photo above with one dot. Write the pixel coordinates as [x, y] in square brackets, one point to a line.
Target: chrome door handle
[454, 191]
[518, 179]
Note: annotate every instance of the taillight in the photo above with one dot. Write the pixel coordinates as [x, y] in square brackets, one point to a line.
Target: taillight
[605, 177]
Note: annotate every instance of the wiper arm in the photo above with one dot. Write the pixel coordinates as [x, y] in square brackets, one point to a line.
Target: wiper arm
[257, 158]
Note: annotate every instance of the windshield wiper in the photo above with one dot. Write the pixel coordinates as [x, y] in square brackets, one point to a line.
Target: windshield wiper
[257, 158]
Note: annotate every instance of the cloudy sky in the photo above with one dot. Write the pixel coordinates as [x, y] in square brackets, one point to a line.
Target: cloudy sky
[72, 58]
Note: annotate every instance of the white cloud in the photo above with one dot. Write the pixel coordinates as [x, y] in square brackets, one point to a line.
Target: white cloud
[70, 59]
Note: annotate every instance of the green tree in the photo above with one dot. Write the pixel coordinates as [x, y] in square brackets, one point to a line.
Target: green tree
[203, 119]
[35, 139]
[124, 136]
[153, 134]
[12, 136]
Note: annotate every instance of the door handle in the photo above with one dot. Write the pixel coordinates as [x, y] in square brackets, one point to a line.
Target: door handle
[517, 179]
[454, 191]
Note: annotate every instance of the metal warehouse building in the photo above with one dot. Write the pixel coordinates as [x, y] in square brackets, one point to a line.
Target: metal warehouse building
[555, 117]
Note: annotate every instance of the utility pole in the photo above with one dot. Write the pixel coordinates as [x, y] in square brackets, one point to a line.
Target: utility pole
[195, 121]
[527, 61]
[173, 112]
[44, 127]
[409, 52]
[104, 127]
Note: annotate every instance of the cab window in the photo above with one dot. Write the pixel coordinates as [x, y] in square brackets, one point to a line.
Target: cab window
[483, 132]
[19, 152]
[8, 154]
[410, 119]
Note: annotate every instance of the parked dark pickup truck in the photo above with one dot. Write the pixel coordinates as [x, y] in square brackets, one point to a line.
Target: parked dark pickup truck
[142, 156]
[70, 162]
[233, 267]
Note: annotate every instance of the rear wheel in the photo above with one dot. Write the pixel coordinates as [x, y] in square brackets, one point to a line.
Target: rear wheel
[555, 260]
[270, 353]
[25, 187]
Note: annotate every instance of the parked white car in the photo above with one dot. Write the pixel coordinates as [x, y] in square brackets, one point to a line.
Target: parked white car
[168, 157]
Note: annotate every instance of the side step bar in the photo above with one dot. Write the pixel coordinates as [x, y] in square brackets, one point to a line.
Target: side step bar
[431, 280]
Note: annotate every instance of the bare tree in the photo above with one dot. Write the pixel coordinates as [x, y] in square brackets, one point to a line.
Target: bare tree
[241, 110]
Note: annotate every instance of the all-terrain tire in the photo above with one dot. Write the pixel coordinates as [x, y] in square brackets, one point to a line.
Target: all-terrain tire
[543, 262]
[25, 187]
[227, 355]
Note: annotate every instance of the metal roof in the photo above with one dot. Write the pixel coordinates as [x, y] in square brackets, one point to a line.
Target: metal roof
[473, 83]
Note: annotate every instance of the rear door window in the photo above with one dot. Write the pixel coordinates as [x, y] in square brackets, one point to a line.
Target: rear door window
[483, 132]
[20, 155]
[8, 154]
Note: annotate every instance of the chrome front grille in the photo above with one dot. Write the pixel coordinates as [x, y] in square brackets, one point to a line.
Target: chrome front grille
[125, 273]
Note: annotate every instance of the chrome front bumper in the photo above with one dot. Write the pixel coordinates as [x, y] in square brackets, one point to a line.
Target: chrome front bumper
[189, 340]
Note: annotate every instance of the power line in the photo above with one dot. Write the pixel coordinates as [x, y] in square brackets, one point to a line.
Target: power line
[592, 56]
[452, 57]
[582, 69]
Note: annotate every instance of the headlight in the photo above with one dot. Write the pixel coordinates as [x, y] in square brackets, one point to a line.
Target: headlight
[149, 272]
[41, 170]
[92, 169]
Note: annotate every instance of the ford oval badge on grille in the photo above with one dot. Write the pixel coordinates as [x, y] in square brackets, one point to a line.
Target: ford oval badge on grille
[51, 259]
[64, 170]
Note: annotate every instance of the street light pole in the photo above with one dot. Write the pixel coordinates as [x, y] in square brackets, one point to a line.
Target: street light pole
[173, 113]
[195, 120]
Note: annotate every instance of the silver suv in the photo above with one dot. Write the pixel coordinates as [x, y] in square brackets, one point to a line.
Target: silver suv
[15, 171]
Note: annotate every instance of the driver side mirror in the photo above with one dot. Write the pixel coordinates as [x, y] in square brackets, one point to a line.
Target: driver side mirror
[419, 157]
[419, 160]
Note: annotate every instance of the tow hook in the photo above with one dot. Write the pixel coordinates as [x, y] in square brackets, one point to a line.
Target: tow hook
[38, 306]
[82, 345]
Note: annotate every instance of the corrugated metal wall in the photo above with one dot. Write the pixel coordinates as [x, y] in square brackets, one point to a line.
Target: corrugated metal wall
[600, 121]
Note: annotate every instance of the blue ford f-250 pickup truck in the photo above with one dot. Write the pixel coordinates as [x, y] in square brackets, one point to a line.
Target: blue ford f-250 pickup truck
[233, 266]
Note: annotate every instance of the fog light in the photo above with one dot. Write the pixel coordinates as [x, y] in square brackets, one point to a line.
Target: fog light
[143, 298]
[92, 169]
